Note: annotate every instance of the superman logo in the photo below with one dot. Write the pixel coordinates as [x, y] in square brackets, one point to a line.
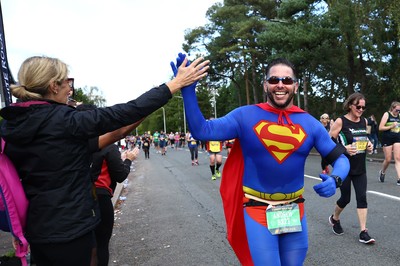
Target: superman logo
[280, 140]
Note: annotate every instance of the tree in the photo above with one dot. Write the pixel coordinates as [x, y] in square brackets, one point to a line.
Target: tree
[338, 47]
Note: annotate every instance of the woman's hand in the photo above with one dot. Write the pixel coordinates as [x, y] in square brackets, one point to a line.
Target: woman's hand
[351, 149]
[187, 74]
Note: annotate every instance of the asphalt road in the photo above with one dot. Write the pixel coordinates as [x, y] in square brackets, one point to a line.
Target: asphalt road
[173, 215]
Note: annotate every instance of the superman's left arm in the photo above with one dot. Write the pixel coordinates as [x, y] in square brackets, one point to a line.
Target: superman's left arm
[332, 153]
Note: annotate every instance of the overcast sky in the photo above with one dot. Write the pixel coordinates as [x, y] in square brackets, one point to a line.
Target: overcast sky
[123, 47]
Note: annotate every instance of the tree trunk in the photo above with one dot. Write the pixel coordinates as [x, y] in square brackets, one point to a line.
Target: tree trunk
[253, 72]
[305, 84]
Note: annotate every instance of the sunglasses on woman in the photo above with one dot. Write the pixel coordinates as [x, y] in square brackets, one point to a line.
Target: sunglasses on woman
[358, 107]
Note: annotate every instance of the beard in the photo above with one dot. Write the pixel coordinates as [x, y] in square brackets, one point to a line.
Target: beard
[270, 99]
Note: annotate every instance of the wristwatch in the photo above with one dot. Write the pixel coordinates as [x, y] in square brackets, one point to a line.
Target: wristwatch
[338, 180]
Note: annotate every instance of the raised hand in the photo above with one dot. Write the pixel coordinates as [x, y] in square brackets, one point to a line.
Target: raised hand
[182, 64]
[179, 61]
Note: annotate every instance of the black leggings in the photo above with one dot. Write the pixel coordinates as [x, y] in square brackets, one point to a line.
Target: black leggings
[360, 187]
[77, 252]
[146, 153]
[104, 229]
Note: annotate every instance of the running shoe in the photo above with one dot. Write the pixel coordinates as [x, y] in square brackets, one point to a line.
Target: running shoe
[398, 182]
[213, 177]
[365, 238]
[336, 227]
[218, 173]
[196, 162]
[381, 176]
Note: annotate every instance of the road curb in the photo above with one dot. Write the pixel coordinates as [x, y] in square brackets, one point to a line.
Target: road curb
[117, 193]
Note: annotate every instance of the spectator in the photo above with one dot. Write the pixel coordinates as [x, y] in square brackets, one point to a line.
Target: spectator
[50, 144]
[107, 170]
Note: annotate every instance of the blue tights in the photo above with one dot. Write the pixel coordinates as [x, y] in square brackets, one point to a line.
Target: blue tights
[276, 250]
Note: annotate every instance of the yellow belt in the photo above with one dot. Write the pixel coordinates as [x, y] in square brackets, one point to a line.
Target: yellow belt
[275, 196]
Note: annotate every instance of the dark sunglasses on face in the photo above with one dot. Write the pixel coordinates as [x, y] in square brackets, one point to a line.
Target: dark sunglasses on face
[397, 110]
[358, 107]
[285, 80]
[71, 82]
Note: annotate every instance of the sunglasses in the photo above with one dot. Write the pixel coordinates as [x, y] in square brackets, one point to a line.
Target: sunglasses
[71, 82]
[285, 80]
[396, 110]
[358, 107]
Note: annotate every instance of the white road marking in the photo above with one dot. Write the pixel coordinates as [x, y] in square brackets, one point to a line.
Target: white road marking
[368, 191]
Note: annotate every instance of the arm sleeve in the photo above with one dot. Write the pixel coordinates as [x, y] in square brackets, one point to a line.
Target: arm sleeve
[341, 167]
[118, 169]
[216, 129]
[102, 120]
[326, 147]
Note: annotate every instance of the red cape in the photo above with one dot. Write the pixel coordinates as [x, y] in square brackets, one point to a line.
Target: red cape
[232, 192]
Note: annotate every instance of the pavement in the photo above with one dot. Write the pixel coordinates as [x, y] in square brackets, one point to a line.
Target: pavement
[5, 237]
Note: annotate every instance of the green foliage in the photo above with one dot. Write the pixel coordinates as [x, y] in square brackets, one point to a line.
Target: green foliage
[338, 47]
[89, 96]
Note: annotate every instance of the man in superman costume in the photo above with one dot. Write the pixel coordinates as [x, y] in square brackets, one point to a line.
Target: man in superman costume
[263, 178]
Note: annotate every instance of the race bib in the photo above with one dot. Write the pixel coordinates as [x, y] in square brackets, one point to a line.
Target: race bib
[215, 146]
[283, 218]
[193, 142]
[396, 129]
[360, 143]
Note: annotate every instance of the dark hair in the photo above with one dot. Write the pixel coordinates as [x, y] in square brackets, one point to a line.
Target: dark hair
[353, 99]
[280, 61]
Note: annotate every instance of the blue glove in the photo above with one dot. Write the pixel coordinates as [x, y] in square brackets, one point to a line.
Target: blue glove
[179, 61]
[327, 187]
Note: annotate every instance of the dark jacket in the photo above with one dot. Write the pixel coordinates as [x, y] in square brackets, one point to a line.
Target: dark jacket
[108, 169]
[50, 148]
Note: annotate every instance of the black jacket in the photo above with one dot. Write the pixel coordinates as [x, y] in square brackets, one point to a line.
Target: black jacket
[108, 169]
[50, 148]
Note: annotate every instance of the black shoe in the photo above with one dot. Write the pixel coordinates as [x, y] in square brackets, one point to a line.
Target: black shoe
[381, 176]
[336, 227]
[365, 238]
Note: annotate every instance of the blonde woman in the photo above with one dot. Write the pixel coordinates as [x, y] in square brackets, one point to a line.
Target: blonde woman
[390, 127]
[50, 143]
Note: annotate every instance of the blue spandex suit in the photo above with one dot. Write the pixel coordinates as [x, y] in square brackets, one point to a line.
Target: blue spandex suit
[274, 147]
